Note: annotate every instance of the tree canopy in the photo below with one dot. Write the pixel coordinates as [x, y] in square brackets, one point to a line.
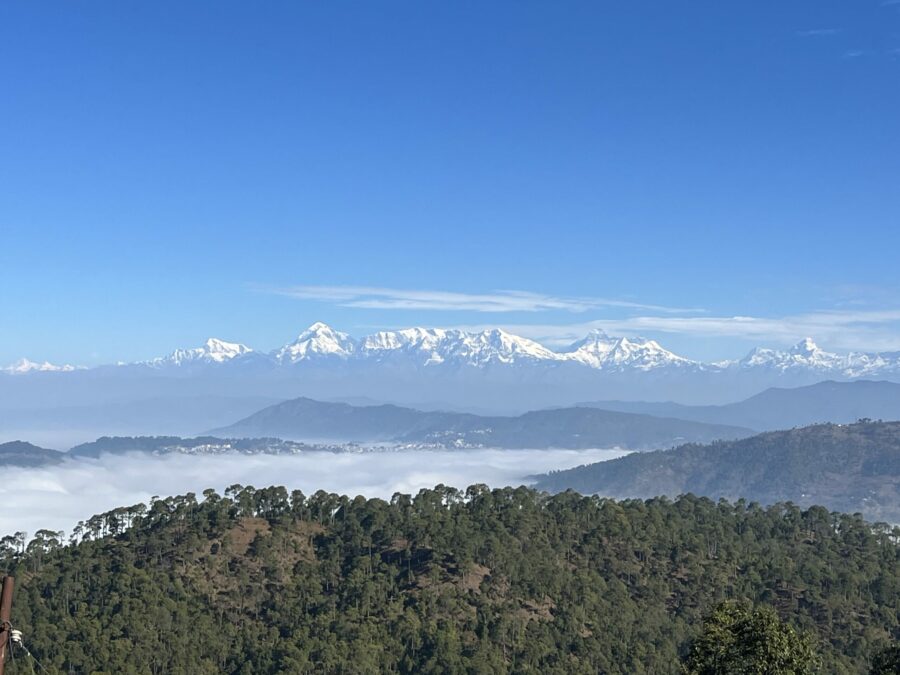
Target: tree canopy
[261, 580]
[737, 640]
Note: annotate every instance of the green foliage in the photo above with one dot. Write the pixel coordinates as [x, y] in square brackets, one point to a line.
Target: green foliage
[737, 640]
[481, 581]
[846, 467]
[886, 661]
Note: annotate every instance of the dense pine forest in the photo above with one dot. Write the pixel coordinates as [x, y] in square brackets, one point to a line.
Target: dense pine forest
[845, 467]
[481, 581]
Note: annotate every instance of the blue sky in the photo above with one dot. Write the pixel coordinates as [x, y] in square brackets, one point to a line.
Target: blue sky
[170, 171]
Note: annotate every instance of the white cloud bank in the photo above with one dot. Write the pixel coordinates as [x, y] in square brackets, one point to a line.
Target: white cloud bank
[58, 497]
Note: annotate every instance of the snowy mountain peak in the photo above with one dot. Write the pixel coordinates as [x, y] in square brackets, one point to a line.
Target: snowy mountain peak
[806, 347]
[597, 334]
[318, 340]
[23, 366]
[596, 337]
[212, 351]
[418, 339]
[500, 346]
[595, 342]
[219, 350]
[317, 328]
[805, 355]
[599, 350]
[431, 346]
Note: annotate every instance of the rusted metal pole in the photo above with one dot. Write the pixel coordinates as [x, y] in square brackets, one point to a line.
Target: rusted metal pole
[5, 614]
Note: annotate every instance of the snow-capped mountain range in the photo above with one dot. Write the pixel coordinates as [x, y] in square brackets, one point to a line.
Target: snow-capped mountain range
[322, 345]
[807, 355]
[440, 347]
[23, 366]
[212, 351]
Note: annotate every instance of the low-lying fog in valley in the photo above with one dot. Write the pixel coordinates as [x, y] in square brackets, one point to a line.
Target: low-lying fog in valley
[58, 497]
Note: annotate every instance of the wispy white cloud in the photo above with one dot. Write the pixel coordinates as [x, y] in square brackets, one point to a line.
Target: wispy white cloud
[848, 328]
[501, 301]
[861, 330]
[818, 32]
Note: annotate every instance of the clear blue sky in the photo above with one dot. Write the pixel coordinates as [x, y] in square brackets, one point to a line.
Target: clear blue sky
[168, 169]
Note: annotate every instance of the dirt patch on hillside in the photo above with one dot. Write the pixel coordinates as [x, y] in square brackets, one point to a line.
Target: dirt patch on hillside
[538, 610]
[472, 579]
[242, 535]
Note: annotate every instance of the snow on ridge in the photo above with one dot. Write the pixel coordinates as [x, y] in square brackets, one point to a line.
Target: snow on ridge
[212, 351]
[451, 347]
[431, 346]
[807, 355]
[316, 341]
[600, 351]
[23, 366]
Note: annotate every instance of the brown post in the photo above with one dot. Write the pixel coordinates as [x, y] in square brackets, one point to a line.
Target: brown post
[5, 614]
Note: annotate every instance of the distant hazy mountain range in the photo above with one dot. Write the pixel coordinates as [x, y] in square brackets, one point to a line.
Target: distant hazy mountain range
[490, 372]
[839, 402]
[309, 420]
[852, 468]
[632, 425]
[308, 425]
[19, 453]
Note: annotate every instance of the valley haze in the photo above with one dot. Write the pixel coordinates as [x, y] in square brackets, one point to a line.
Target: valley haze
[58, 496]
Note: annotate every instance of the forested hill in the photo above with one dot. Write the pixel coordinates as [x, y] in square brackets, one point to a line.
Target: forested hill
[852, 468]
[262, 581]
[579, 427]
[20, 453]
